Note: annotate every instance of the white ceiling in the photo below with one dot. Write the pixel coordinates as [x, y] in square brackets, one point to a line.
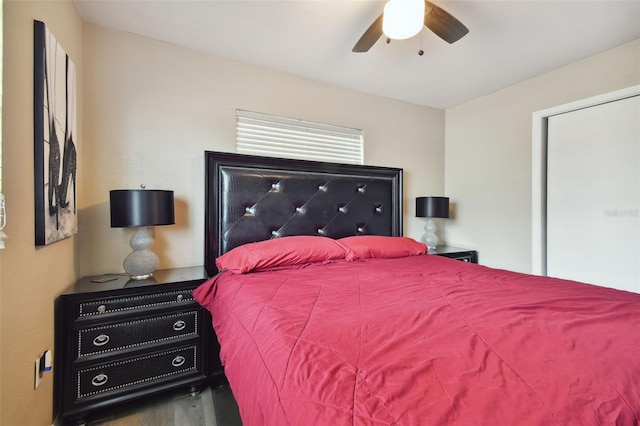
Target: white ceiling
[508, 41]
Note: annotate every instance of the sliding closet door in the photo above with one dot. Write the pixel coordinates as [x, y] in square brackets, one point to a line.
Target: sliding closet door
[593, 194]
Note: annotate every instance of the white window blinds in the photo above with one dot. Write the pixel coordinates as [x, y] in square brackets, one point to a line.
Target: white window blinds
[273, 136]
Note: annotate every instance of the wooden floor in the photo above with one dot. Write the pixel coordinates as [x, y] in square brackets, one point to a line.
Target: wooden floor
[214, 406]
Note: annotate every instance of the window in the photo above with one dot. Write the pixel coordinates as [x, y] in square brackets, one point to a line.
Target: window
[270, 135]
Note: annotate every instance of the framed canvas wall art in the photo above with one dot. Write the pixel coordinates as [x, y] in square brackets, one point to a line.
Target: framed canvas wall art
[55, 133]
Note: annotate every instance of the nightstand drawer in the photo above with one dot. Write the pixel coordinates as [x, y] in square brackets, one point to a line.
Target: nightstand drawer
[464, 255]
[134, 371]
[127, 334]
[464, 258]
[124, 304]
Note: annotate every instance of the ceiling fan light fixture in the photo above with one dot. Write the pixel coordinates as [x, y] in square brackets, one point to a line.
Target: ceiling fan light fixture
[402, 19]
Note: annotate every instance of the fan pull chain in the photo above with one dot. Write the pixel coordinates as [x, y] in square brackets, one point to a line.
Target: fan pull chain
[420, 52]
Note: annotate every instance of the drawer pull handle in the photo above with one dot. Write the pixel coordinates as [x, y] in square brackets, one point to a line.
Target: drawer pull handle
[179, 325]
[178, 361]
[99, 380]
[101, 340]
[179, 298]
[102, 309]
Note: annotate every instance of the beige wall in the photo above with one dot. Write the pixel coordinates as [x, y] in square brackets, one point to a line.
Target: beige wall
[31, 277]
[149, 110]
[488, 153]
[152, 109]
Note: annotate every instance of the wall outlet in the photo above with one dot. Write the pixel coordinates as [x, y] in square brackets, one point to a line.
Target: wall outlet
[42, 365]
[38, 374]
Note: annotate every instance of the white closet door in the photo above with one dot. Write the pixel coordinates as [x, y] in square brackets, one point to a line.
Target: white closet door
[593, 195]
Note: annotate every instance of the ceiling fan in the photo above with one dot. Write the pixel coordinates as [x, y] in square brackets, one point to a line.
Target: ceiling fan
[441, 22]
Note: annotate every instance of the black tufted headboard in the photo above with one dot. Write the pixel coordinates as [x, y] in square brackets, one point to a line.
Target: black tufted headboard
[250, 198]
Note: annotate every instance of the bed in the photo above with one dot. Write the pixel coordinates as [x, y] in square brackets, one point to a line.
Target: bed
[326, 315]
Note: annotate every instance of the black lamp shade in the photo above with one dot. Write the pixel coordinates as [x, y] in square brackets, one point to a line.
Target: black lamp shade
[141, 207]
[432, 207]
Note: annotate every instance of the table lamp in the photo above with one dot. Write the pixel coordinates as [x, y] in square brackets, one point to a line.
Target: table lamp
[141, 208]
[431, 207]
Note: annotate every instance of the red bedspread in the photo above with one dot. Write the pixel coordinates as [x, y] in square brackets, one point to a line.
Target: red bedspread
[425, 340]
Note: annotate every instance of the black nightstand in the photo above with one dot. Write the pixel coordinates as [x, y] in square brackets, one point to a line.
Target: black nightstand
[457, 253]
[118, 339]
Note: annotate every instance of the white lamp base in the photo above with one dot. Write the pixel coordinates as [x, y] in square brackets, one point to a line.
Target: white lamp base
[141, 262]
[429, 237]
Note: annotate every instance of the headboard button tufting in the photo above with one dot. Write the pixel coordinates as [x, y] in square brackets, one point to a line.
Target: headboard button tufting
[256, 198]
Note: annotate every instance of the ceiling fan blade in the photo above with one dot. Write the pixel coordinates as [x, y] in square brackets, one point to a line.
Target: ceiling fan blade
[369, 37]
[443, 24]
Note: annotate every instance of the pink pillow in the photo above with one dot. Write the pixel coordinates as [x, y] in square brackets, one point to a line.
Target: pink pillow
[381, 247]
[283, 251]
